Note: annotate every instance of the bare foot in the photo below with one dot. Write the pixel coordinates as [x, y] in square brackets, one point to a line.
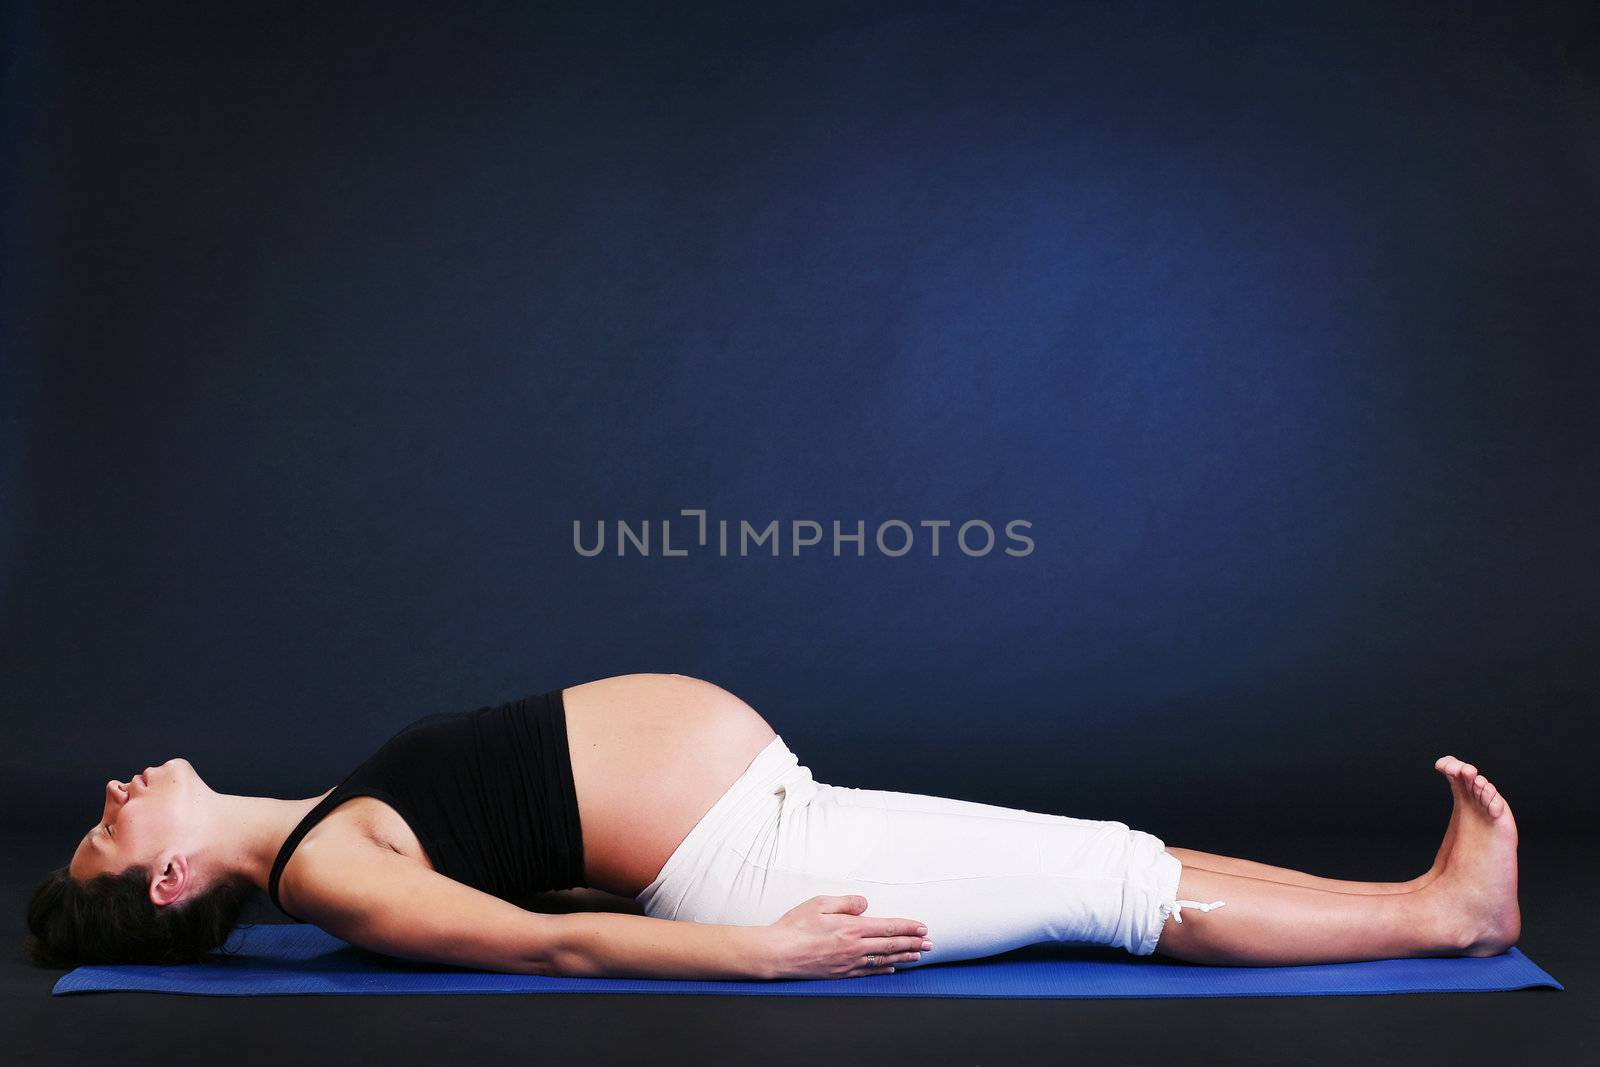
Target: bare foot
[1476, 893]
[1459, 797]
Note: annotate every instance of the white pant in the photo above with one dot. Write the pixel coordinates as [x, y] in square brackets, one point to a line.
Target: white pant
[984, 879]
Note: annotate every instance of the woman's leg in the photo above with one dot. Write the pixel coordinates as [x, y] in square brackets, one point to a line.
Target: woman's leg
[987, 879]
[1271, 923]
[1469, 909]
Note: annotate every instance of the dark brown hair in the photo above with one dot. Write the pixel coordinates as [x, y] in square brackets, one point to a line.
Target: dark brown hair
[110, 918]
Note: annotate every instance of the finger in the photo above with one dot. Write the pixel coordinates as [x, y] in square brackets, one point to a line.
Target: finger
[874, 960]
[853, 904]
[863, 971]
[875, 927]
[887, 945]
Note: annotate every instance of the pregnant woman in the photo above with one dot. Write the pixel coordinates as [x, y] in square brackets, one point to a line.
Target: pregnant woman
[657, 797]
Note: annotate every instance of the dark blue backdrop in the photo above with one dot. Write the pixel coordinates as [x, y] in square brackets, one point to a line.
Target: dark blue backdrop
[1278, 326]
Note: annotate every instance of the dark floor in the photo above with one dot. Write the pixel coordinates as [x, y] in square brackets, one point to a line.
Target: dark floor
[1530, 1028]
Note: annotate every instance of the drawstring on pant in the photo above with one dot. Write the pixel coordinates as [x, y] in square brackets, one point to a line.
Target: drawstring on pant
[1174, 908]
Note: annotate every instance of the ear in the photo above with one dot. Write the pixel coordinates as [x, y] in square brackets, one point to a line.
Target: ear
[168, 883]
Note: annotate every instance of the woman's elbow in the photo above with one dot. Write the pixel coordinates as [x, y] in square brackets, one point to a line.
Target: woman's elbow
[558, 951]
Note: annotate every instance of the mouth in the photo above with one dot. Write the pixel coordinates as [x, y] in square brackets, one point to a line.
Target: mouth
[144, 778]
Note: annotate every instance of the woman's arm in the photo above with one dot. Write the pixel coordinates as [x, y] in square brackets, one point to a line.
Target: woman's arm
[388, 903]
[611, 945]
[824, 937]
[383, 901]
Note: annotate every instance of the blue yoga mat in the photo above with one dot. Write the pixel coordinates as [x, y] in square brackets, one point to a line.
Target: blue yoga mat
[283, 959]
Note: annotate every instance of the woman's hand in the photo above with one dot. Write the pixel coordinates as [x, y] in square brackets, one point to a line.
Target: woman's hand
[828, 937]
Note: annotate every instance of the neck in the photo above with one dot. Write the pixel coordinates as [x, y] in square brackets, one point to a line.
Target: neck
[251, 830]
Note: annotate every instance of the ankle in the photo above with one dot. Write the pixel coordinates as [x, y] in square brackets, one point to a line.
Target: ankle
[1443, 926]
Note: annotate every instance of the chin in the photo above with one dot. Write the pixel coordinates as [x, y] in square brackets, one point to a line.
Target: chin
[181, 769]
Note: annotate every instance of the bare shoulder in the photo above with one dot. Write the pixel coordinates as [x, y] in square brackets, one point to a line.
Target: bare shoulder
[381, 900]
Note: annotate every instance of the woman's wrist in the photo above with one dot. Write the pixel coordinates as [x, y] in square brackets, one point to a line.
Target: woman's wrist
[765, 952]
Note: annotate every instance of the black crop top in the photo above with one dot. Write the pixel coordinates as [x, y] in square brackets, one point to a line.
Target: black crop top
[489, 794]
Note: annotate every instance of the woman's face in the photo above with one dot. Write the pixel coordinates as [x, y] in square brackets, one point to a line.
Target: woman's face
[142, 818]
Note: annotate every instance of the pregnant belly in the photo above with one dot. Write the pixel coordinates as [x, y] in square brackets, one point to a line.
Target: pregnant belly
[650, 754]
